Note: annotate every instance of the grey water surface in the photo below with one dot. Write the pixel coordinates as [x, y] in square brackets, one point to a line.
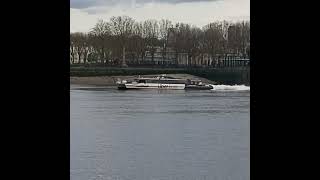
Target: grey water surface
[159, 134]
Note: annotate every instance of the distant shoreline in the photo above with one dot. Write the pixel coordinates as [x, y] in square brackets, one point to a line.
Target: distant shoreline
[109, 75]
[111, 80]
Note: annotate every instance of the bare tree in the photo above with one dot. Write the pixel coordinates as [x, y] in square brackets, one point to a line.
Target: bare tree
[245, 38]
[194, 44]
[72, 48]
[214, 39]
[164, 27]
[137, 43]
[122, 27]
[100, 35]
[187, 40]
[152, 34]
[86, 48]
[79, 44]
[109, 41]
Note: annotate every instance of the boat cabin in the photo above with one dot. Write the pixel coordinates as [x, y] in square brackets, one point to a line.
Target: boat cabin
[194, 82]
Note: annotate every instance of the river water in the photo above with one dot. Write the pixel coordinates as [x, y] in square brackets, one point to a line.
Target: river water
[159, 134]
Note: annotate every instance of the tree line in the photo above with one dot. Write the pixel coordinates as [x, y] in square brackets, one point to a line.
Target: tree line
[122, 38]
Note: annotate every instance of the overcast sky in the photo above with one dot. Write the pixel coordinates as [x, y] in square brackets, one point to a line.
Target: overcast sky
[85, 13]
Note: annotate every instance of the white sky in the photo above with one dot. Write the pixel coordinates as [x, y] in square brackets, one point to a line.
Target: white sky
[196, 13]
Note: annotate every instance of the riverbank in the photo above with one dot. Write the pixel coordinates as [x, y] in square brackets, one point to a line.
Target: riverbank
[111, 80]
[100, 75]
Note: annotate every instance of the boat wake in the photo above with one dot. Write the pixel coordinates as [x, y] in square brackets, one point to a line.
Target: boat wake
[230, 88]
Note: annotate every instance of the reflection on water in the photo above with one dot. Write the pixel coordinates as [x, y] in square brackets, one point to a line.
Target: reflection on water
[159, 135]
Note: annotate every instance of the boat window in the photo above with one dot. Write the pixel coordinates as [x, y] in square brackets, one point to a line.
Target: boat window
[153, 81]
[142, 81]
[171, 82]
[163, 82]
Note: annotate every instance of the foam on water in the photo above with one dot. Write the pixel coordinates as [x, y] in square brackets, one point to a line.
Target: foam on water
[222, 87]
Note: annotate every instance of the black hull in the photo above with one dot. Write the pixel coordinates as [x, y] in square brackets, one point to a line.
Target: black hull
[188, 87]
[122, 87]
[198, 87]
